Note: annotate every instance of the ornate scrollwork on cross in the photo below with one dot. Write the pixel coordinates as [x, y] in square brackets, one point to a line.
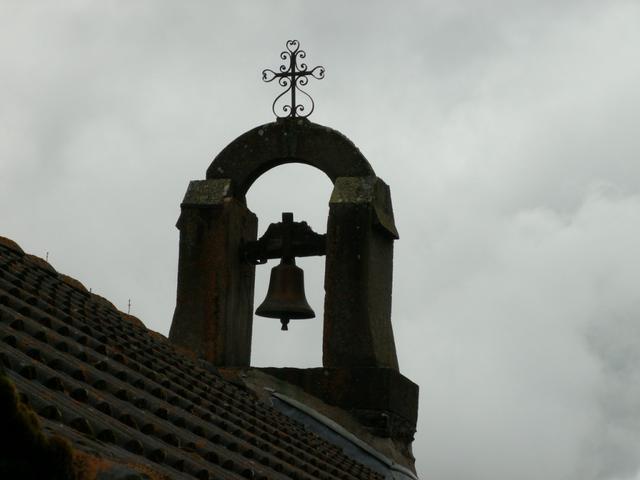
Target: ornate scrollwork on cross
[291, 77]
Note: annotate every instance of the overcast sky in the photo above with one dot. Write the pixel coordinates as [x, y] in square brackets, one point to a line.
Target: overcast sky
[507, 130]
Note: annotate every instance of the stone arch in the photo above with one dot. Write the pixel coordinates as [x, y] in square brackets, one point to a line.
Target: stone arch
[289, 140]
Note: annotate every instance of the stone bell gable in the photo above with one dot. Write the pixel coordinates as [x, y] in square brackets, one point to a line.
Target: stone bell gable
[215, 301]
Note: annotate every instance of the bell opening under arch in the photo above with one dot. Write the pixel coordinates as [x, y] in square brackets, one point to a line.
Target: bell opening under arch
[305, 191]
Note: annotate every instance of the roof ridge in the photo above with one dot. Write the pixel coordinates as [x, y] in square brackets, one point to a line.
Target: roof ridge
[11, 245]
[74, 283]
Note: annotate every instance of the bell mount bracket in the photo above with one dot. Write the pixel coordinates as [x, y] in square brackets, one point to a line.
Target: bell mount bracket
[285, 240]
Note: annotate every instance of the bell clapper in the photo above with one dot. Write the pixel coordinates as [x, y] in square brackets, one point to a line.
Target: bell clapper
[285, 324]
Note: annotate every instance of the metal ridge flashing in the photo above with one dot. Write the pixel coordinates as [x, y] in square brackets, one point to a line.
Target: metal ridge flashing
[338, 429]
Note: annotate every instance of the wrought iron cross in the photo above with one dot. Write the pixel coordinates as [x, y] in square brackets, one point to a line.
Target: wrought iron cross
[291, 77]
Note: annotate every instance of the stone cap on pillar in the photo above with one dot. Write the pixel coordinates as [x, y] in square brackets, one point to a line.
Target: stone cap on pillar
[204, 193]
[367, 190]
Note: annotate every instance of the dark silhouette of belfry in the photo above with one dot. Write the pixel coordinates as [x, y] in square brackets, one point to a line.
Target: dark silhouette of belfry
[219, 251]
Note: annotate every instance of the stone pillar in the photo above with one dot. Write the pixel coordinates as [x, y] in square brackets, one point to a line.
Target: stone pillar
[358, 275]
[214, 308]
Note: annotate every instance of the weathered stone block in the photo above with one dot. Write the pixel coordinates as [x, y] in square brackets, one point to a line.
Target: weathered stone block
[358, 276]
[213, 317]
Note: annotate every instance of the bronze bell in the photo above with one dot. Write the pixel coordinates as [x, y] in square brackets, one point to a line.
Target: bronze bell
[285, 297]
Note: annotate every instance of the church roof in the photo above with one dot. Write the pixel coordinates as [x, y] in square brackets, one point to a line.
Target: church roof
[120, 392]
